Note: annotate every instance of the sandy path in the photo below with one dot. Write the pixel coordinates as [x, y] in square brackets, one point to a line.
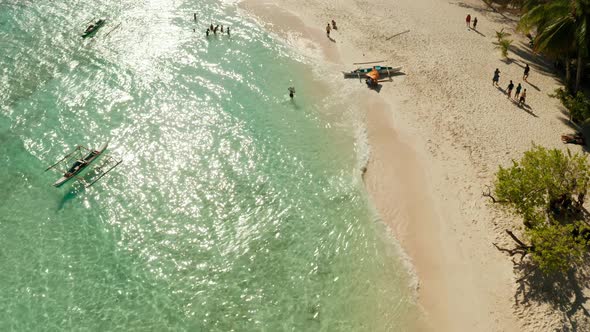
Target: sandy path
[438, 135]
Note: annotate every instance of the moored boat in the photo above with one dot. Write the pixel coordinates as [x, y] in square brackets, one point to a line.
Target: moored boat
[80, 164]
[362, 72]
[92, 28]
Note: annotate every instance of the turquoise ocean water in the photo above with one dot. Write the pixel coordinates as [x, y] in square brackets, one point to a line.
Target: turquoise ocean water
[234, 208]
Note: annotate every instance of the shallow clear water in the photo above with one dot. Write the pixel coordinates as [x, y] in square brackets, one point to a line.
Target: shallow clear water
[234, 208]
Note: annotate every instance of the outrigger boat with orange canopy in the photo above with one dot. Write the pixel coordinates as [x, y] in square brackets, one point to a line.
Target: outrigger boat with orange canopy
[372, 78]
[80, 159]
[361, 72]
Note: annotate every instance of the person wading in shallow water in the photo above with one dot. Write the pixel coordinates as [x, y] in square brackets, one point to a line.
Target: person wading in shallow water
[291, 92]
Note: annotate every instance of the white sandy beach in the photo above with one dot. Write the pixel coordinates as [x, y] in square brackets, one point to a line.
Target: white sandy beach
[437, 136]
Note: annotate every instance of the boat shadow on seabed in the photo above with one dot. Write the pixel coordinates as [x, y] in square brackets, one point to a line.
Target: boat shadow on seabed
[70, 195]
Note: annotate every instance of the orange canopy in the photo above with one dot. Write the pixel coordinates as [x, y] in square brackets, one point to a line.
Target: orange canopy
[374, 74]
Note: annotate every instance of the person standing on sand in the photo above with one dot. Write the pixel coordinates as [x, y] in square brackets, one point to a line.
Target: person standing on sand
[522, 99]
[468, 20]
[334, 25]
[496, 77]
[527, 69]
[328, 30]
[510, 87]
[517, 93]
[474, 23]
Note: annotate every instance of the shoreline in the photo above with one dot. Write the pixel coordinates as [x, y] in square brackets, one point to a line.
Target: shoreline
[381, 136]
[437, 136]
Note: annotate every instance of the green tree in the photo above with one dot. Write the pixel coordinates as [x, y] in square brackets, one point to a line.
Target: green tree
[561, 30]
[547, 189]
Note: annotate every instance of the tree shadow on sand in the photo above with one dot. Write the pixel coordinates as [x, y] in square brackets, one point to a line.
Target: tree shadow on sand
[499, 16]
[537, 62]
[564, 292]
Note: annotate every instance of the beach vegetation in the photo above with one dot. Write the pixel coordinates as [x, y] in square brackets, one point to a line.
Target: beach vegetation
[578, 105]
[562, 31]
[504, 46]
[501, 35]
[546, 188]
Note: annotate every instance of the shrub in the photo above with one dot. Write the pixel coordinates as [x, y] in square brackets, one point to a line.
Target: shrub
[500, 35]
[578, 106]
[504, 46]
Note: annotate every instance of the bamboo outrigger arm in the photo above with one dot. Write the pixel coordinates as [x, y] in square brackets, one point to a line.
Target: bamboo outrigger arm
[64, 158]
[103, 174]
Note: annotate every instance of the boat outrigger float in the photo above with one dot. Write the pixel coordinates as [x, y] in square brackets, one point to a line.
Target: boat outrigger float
[82, 157]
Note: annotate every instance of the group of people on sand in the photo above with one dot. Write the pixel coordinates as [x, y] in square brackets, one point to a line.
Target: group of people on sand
[214, 30]
[468, 22]
[330, 28]
[519, 96]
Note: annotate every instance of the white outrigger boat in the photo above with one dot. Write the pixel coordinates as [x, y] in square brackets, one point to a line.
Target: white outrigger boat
[82, 157]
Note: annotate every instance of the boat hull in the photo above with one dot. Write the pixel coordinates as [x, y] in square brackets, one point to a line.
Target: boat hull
[91, 33]
[89, 159]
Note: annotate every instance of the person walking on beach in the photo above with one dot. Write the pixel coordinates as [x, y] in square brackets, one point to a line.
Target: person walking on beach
[496, 78]
[328, 30]
[517, 93]
[522, 99]
[510, 87]
[474, 23]
[527, 69]
[468, 20]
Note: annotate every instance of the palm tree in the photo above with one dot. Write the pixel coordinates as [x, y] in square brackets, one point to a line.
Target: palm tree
[561, 30]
